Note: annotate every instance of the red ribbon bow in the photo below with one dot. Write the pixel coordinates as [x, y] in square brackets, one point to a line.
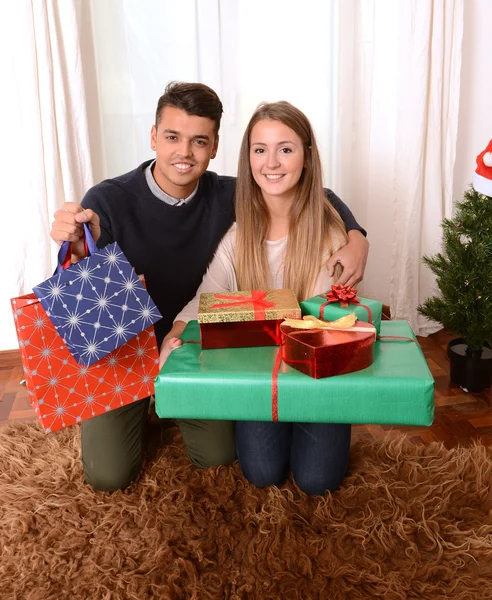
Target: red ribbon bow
[343, 294]
[257, 299]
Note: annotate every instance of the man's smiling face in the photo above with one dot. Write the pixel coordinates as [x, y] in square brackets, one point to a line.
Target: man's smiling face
[184, 145]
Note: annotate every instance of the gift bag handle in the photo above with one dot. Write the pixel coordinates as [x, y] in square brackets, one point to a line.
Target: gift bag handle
[65, 252]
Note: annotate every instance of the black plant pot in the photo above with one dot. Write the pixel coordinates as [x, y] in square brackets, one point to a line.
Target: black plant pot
[470, 371]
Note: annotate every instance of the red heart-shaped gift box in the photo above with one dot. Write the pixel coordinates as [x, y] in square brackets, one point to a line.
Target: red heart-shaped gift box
[327, 352]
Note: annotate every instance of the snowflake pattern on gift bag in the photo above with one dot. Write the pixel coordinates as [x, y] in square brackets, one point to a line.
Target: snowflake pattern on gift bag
[98, 304]
[63, 392]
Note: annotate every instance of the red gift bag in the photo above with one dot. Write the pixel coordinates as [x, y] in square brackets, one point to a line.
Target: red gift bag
[63, 392]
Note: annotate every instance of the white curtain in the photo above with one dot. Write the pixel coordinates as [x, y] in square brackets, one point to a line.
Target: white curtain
[44, 148]
[430, 45]
[248, 51]
[398, 103]
[379, 80]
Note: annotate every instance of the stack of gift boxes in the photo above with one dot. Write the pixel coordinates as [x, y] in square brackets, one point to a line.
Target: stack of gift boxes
[259, 356]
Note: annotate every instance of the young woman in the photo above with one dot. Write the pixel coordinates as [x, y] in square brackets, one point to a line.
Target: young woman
[285, 231]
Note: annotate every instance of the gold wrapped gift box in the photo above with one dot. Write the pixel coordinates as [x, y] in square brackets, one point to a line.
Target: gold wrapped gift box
[246, 318]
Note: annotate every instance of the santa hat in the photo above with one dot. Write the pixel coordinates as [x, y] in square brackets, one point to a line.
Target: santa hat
[482, 178]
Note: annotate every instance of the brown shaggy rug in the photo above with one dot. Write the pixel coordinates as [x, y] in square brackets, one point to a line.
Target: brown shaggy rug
[409, 522]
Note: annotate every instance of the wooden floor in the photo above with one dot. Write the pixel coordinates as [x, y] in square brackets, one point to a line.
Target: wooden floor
[460, 417]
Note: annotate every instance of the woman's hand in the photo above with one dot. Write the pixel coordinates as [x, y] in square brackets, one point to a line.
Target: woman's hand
[171, 341]
[168, 345]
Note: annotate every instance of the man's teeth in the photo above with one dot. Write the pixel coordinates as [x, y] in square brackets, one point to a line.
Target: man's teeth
[182, 166]
[273, 176]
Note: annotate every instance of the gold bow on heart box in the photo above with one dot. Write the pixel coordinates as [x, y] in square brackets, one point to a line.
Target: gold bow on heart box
[346, 323]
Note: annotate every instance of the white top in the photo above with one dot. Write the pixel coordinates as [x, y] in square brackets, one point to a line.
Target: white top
[221, 274]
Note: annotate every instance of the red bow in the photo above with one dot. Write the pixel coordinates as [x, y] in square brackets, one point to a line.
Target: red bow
[343, 294]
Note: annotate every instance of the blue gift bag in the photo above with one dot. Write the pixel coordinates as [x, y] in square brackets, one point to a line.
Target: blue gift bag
[98, 304]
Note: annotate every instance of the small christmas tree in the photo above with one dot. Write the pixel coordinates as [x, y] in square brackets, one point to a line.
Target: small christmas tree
[463, 271]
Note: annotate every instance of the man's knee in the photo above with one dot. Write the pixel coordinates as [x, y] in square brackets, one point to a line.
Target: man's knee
[109, 480]
[212, 456]
[209, 443]
[112, 447]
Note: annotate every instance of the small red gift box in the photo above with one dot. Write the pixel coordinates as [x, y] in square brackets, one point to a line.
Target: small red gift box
[245, 319]
[327, 352]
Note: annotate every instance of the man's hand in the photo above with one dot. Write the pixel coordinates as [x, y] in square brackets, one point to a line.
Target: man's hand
[67, 227]
[352, 257]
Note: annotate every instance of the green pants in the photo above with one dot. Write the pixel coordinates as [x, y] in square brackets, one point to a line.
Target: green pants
[113, 445]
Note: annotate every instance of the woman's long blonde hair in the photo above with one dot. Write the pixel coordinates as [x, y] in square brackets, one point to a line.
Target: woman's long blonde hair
[313, 220]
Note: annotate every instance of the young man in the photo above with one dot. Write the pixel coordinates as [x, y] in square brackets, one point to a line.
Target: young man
[168, 216]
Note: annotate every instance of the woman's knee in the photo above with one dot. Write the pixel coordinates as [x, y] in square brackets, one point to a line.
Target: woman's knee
[317, 484]
[263, 451]
[263, 469]
[263, 475]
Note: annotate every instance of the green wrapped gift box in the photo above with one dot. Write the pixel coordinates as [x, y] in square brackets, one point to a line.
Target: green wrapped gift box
[236, 384]
[318, 307]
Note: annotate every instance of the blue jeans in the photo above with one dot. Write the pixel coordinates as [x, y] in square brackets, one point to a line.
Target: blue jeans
[316, 453]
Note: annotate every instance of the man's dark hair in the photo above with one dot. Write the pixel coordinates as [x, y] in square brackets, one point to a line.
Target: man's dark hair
[194, 98]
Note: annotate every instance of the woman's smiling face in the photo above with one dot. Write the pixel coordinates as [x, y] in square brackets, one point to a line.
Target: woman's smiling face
[277, 158]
